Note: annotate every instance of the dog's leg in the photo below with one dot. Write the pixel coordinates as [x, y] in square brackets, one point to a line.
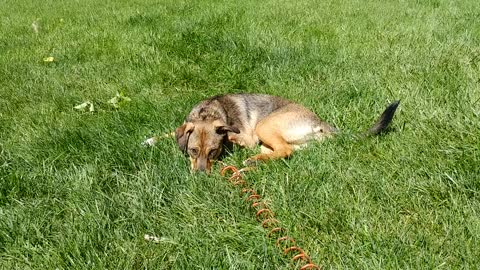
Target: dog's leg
[279, 148]
[286, 130]
[265, 150]
[274, 144]
[248, 141]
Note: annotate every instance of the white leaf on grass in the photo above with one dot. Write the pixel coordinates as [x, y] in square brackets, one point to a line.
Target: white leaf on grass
[48, 59]
[157, 240]
[35, 26]
[87, 105]
[150, 142]
[153, 140]
[119, 99]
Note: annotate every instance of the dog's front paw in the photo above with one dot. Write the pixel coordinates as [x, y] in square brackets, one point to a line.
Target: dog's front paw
[150, 142]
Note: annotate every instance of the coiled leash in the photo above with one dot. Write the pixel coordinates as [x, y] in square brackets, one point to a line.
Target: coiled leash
[267, 218]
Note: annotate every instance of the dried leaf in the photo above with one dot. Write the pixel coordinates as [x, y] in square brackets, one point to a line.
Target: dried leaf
[87, 105]
[119, 99]
[35, 26]
[157, 240]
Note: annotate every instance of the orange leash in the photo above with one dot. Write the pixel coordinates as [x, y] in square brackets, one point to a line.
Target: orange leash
[267, 218]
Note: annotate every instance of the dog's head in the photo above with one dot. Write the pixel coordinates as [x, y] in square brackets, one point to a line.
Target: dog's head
[203, 142]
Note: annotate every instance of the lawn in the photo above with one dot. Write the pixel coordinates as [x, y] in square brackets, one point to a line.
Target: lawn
[79, 191]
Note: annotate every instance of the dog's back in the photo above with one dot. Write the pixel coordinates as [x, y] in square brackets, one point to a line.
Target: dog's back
[243, 111]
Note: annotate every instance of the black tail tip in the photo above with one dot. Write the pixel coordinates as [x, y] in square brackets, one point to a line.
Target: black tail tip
[390, 111]
[385, 119]
[393, 106]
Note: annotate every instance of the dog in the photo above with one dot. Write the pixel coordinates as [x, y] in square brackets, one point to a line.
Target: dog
[279, 125]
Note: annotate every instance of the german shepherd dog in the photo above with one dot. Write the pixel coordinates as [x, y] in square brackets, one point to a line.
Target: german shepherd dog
[279, 125]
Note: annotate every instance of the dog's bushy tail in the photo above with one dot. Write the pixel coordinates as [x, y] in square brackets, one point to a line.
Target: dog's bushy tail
[384, 120]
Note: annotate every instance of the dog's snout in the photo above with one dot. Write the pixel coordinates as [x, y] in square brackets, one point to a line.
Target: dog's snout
[203, 165]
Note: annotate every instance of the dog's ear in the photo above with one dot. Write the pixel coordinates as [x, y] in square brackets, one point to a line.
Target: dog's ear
[225, 129]
[222, 128]
[182, 133]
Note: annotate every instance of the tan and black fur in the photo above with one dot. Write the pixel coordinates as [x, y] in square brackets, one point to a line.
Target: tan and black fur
[279, 125]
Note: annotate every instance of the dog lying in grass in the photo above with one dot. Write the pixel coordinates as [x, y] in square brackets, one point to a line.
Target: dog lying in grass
[279, 125]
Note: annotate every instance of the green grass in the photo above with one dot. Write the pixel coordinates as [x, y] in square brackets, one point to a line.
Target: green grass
[78, 191]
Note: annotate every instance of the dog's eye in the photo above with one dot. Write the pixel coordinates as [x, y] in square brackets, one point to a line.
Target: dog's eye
[193, 152]
[213, 153]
